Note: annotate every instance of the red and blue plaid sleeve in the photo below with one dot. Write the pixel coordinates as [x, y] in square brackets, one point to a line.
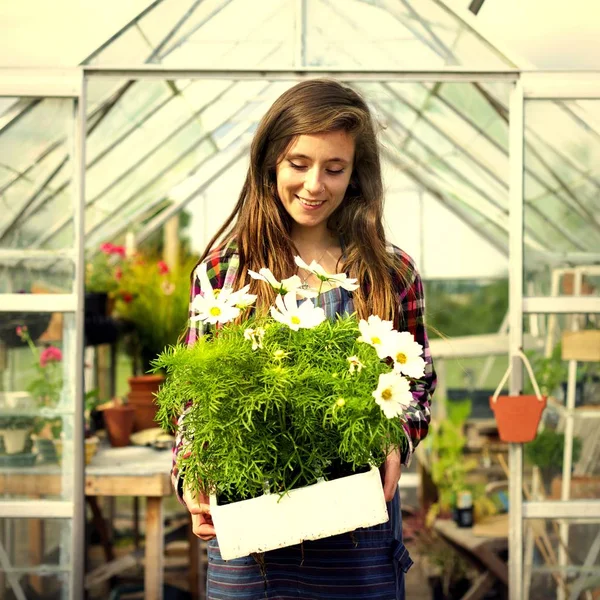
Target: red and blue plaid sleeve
[217, 263]
[412, 319]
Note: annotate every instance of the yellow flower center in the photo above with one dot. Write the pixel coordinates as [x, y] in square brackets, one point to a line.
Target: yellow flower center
[340, 402]
[375, 340]
[295, 320]
[387, 394]
[401, 358]
[215, 311]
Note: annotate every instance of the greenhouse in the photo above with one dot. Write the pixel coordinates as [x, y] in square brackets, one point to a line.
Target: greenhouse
[115, 175]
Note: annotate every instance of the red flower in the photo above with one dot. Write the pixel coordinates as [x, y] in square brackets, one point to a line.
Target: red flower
[50, 354]
[163, 268]
[107, 248]
[118, 273]
[127, 297]
[120, 250]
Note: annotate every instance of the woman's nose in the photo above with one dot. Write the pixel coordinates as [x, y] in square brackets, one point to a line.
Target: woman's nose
[312, 182]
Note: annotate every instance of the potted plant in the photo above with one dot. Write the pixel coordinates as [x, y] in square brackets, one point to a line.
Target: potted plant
[15, 431]
[546, 451]
[154, 300]
[118, 421]
[45, 387]
[290, 414]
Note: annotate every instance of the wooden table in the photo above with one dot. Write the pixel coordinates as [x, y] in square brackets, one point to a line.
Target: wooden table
[130, 471]
[480, 551]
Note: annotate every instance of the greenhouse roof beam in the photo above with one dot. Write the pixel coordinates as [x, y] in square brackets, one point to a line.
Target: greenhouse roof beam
[197, 27]
[180, 23]
[16, 113]
[170, 166]
[537, 178]
[410, 136]
[442, 198]
[440, 51]
[459, 146]
[426, 167]
[585, 124]
[158, 146]
[34, 164]
[22, 212]
[475, 6]
[455, 74]
[165, 215]
[59, 226]
[121, 31]
[449, 55]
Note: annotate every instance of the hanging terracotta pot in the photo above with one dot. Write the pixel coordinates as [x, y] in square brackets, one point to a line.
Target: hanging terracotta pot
[518, 417]
[141, 397]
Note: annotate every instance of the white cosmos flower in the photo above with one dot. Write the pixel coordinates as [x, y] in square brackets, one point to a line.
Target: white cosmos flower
[255, 336]
[284, 286]
[355, 364]
[218, 306]
[376, 333]
[334, 279]
[406, 353]
[295, 317]
[393, 394]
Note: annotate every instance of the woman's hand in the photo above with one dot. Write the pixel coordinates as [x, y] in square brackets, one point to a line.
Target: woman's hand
[391, 471]
[198, 505]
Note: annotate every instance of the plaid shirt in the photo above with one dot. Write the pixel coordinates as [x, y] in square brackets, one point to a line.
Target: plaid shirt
[222, 264]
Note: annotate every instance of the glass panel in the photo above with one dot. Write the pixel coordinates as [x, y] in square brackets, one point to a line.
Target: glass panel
[46, 275]
[36, 405]
[36, 173]
[561, 193]
[36, 557]
[545, 571]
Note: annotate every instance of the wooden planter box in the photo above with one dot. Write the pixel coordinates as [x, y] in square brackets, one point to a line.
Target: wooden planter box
[309, 513]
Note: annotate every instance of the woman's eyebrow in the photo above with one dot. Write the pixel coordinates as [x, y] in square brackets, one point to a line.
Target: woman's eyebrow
[304, 157]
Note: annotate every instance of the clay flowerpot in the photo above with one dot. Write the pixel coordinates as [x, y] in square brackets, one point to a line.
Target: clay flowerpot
[141, 397]
[118, 421]
[518, 417]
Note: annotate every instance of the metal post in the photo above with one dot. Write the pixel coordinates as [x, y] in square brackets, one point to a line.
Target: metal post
[78, 528]
[300, 34]
[515, 452]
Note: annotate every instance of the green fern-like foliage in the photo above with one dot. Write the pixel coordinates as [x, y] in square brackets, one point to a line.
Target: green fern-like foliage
[277, 417]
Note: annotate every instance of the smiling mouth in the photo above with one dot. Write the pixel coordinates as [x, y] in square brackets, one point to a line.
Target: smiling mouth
[310, 203]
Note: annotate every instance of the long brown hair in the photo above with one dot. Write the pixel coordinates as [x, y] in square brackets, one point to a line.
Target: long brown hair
[261, 226]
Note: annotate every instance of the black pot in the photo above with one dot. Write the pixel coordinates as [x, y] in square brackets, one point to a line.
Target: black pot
[36, 324]
[96, 304]
[456, 591]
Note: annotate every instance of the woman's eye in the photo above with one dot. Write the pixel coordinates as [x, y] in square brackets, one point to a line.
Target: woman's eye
[332, 172]
[297, 167]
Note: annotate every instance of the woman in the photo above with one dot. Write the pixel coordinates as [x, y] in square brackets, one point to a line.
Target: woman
[314, 189]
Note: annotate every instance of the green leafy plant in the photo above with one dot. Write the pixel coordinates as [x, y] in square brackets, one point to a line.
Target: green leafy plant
[449, 466]
[104, 270]
[283, 415]
[155, 300]
[16, 422]
[547, 450]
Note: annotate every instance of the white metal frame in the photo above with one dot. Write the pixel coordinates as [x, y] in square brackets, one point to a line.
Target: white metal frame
[67, 84]
[553, 86]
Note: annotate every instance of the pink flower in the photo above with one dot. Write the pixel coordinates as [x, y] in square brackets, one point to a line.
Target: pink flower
[21, 331]
[50, 354]
[107, 248]
[120, 250]
[163, 268]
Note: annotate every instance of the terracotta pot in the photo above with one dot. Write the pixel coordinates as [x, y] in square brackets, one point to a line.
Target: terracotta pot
[119, 424]
[145, 383]
[518, 417]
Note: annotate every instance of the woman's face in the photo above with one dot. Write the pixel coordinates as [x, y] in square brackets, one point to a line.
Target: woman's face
[313, 175]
